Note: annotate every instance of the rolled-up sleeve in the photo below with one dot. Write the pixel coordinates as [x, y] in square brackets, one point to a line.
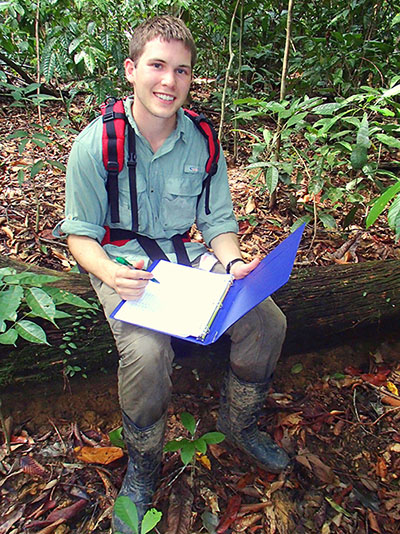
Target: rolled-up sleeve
[86, 201]
[221, 219]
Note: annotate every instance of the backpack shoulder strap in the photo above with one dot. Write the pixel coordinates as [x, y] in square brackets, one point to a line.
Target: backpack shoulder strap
[206, 128]
[113, 140]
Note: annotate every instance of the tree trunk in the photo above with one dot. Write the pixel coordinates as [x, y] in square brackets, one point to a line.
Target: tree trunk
[322, 305]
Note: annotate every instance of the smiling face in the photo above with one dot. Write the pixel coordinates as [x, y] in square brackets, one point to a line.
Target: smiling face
[161, 79]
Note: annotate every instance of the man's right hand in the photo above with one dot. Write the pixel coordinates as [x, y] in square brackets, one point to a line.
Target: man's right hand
[130, 283]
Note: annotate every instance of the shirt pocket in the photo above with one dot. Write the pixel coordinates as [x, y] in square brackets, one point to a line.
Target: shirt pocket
[179, 202]
[125, 207]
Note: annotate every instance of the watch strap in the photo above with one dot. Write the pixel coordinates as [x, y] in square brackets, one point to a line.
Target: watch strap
[232, 263]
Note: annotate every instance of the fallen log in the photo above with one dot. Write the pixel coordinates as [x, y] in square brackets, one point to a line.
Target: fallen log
[322, 305]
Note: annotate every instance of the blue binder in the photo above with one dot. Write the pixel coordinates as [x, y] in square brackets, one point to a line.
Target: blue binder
[271, 274]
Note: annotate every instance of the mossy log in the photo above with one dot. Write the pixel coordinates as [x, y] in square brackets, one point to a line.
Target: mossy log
[322, 305]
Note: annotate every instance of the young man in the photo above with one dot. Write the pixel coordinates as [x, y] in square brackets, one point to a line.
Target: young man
[171, 156]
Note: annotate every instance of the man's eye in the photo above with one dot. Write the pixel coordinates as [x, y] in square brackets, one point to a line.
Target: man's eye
[182, 71]
[157, 65]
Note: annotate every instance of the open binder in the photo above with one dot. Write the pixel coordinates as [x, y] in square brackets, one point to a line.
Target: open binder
[199, 306]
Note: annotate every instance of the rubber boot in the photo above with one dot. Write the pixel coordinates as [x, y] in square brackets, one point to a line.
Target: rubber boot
[145, 447]
[240, 405]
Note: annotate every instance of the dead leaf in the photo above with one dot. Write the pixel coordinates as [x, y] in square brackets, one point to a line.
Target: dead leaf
[51, 528]
[230, 514]
[390, 400]
[98, 455]
[245, 522]
[32, 467]
[11, 519]
[180, 509]
[274, 487]
[204, 460]
[68, 512]
[250, 205]
[373, 522]
[314, 464]
[381, 468]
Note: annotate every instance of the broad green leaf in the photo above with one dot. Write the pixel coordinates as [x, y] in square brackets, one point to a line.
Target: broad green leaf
[32, 332]
[151, 518]
[381, 203]
[201, 445]
[327, 109]
[388, 140]
[271, 179]
[363, 133]
[37, 167]
[188, 422]
[394, 217]
[17, 134]
[327, 220]
[337, 507]
[116, 437]
[40, 303]
[60, 296]
[396, 20]
[126, 510]
[295, 119]
[359, 157]
[57, 164]
[213, 437]
[393, 91]
[175, 445]
[305, 219]
[30, 279]
[10, 301]
[187, 452]
[296, 368]
[9, 337]
[59, 314]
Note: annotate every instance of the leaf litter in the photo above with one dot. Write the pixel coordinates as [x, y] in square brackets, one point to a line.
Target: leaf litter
[339, 424]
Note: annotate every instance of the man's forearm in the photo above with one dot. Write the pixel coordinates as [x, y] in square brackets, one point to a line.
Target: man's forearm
[91, 257]
[226, 247]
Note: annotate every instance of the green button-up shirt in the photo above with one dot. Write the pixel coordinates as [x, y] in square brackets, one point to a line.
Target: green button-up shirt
[168, 184]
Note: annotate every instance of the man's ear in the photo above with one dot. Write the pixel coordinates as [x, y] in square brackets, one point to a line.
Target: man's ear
[130, 70]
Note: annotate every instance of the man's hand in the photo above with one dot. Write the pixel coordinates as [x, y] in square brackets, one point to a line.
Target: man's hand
[240, 270]
[129, 283]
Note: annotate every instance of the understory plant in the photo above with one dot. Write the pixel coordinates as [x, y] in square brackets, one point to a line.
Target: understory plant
[126, 510]
[27, 297]
[190, 447]
[331, 153]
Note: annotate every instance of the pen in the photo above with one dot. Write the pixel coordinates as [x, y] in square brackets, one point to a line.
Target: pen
[123, 261]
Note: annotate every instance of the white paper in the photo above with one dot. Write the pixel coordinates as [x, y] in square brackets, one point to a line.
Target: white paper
[182, 304]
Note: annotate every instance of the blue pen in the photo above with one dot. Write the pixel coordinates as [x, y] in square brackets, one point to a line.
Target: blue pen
[123, 261]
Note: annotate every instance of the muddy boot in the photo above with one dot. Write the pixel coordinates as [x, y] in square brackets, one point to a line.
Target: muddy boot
[240, 405]
[145, 447]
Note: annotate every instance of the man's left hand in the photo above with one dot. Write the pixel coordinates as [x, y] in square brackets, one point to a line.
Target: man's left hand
[240, 270]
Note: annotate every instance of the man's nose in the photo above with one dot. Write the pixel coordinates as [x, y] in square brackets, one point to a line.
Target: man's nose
[168, 78]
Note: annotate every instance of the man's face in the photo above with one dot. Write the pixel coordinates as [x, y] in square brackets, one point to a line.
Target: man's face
[161, 78]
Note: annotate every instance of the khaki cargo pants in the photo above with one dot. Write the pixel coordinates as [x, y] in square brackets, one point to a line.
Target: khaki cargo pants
[145, 365]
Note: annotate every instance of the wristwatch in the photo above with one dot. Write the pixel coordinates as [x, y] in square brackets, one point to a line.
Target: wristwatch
[232, 263]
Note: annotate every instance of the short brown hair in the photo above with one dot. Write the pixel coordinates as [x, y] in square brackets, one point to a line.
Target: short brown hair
[167, 28]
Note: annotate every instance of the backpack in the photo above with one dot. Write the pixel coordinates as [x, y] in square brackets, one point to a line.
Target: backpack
[115, 123]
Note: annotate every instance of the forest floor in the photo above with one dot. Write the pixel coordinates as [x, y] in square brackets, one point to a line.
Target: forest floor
[336, 411]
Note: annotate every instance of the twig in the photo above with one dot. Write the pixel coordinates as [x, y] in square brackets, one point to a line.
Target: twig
[356, 412]
[231, 56]
[4, 428]
[59, 436]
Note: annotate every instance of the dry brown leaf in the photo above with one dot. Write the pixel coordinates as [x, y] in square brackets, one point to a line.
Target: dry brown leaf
[51, 528]
[373, 522]
[180, 509]
[314, 464]
[32, 467]
[98, 455]
[390, 400]
[245, 522]
[250, 205]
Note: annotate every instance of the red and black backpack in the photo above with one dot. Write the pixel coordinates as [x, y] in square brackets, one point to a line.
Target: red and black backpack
[115, 124]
